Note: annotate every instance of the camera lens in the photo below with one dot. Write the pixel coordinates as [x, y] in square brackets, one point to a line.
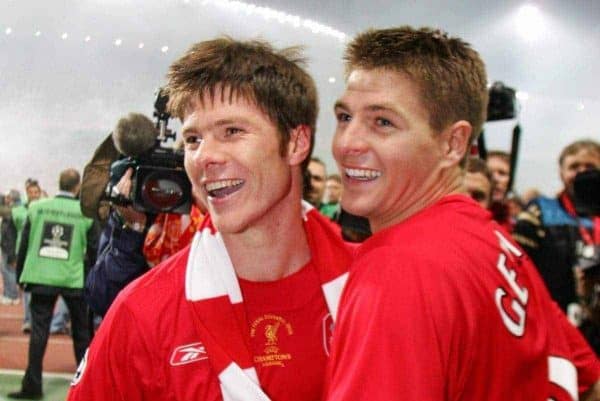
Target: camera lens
[163, 193]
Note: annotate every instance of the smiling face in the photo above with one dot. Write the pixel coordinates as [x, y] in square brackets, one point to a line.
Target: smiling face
[234, 161]
[387, 153]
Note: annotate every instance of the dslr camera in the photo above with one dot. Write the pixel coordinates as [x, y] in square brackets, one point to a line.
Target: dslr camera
[159, 181]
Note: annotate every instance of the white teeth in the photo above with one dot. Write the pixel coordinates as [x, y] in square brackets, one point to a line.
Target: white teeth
[221, 184]
[361, 174]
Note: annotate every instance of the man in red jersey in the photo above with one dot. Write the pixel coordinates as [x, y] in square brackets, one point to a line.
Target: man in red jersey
[245, 312]
[440, 303]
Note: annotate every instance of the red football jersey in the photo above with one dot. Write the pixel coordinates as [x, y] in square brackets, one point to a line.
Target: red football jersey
[147, 348]
[444, 306]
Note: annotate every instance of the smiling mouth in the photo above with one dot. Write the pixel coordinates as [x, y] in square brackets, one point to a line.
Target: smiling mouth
[362, 174]
[220, 189]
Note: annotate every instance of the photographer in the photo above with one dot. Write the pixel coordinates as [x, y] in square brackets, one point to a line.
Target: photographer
[551, 231]
[133, 241]
[128, 247]
[120, 258]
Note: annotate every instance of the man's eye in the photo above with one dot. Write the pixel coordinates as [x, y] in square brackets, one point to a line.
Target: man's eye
[343, 117]
[383, 122]
[192, 140]
[232, 131]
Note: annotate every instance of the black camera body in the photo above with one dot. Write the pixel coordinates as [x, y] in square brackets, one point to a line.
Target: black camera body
[587, 192]
[159, 181]
[502, 103]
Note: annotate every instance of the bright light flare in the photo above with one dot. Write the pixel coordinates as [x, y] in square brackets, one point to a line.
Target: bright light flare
[530, 22]
[522, 96]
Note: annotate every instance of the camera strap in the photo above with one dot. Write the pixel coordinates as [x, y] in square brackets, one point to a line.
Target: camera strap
[589, 238]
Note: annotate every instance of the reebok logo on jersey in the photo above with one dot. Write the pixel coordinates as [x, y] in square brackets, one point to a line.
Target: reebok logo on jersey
[188, 353]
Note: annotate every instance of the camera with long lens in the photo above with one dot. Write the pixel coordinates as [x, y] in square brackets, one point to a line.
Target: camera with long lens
[159, 181]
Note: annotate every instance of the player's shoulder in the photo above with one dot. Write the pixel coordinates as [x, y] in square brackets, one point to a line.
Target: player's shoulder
[159, 286]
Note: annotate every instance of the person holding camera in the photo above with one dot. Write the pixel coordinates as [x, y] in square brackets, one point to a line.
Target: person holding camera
[120, 258]
[440, 303]
[131, 242]
[246, 311]
[551, 230]
[57, 245]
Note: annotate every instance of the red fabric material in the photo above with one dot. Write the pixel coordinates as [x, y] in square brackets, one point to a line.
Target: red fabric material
[166, 235]
[419, 320]
[137, 353]
[590, 238]
[282, 317]
[221, 325]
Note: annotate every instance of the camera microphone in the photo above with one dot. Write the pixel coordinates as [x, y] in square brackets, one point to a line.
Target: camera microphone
[134, 135]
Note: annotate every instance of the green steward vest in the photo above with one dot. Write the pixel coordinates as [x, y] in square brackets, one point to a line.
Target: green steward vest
[19, 214]
[57, 243]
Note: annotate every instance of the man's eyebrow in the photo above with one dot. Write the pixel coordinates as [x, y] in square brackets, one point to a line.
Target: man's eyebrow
[218, 123]
[374, 107]
[340, 104]
[383, 107]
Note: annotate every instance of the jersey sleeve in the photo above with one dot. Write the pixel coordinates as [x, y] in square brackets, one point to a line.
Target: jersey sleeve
[389, 343]
[582, 356]
[117, 365]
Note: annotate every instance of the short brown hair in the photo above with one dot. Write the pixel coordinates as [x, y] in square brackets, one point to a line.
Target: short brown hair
[450, 75]
[273, 79]
[69, 179]
[575, 147]
[478, 165]
[500, 154]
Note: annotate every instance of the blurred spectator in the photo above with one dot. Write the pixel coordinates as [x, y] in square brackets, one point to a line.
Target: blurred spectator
[333, 194]
[18, 217]
[56, 243]
[316, 169]
[498, 162]
[478, 181]
[10, 294]
[551, 231]
[514, 205]
[530, 194]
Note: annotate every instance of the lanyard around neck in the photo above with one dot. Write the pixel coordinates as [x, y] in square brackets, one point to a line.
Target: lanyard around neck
[585, 234]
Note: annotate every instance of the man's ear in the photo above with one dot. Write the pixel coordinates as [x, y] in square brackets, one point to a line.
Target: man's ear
[299, 144]
[455, 142]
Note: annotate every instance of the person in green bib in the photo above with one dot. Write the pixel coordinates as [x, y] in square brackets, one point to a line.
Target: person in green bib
[16, 223]
[57, 245]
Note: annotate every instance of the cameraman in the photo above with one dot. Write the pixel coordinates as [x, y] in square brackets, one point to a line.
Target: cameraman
[120, 258]
[551, 231]
[131, 243]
